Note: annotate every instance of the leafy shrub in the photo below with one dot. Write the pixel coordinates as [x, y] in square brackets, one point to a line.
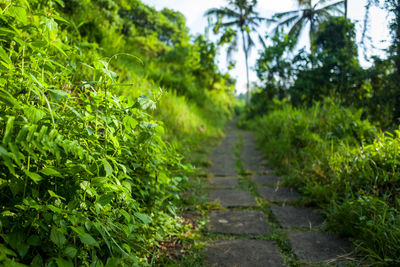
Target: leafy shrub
[86, 176]
[341, 163]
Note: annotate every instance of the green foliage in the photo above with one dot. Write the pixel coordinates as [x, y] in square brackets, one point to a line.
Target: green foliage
[335, 69]
[341, 163]
[274, 66]
[309, 12]
[87, 177]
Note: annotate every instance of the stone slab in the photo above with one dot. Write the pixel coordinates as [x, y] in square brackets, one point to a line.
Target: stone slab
[260, 169]
[313, 247]
[266, 179]
[232, 198]
[289, 216]
[243, 253]
[239, 222]
[223, 159]
[222, 171]
[223, 182]
[279, 194]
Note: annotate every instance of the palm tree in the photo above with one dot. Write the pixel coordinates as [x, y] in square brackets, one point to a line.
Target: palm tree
[308, 13]
[239, 14]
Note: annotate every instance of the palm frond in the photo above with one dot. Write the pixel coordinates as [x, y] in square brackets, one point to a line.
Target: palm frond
[323, 2]
[250, 42]
[322, 15]
[230, 23]
[223, 12]
[288, 21]
[334, 6]
[296, 29]
[261, 39]
[285, 14]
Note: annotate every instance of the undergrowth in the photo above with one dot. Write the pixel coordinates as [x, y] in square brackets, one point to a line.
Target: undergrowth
[92, 150]
[343, 164]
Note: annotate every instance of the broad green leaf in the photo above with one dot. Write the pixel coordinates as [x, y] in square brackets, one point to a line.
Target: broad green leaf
[57, 237]
[70, 252]
[143, 217]
[34, 240]
[146, 103]
[107, 167]
[3, 152]
[58, 94]
[52, 194]
[129, 122]
[51, 172]
[22, 134]
[16, 154]
[126, 215]
[51, 28]
[112, 75]
[34, 176]
[159, 130]
[88, 240]
[7, 251]
[17, 12]
[37, 261]
[99, 180]
[60, 2]
[105, 199]
[64, 263]
[4, 57]
[9, 130]
[84, 237]
[33, 114]
[113, 262]
[8, 99]
[54, 209]
[26, 2]
[16, 240]
[100, 64]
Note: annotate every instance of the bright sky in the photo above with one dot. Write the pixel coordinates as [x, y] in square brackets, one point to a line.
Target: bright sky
[194, 10]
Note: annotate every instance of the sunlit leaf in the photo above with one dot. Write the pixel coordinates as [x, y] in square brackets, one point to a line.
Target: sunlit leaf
[57, 237]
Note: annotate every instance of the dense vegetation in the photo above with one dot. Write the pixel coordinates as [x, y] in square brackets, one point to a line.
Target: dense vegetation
[99, 100]
[105, 105]
[331, 127]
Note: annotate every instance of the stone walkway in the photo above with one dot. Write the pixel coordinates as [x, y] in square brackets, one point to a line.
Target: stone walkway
[244, 231]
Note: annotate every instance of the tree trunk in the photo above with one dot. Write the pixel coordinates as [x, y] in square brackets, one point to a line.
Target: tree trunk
[245, 49]
[345, 8]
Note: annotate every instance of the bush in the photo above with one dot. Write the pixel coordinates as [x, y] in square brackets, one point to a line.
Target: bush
[341, 163]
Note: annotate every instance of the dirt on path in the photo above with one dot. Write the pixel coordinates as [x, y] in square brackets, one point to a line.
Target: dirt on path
[258, 221]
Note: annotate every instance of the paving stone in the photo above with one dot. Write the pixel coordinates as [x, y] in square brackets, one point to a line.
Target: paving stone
[243, 253]
[289, 216]
[266, 179]
[252, 159]
[279, 194]
[260, 169]
[226, 154]
[223, 164]
[223, 182]
[232, 198]
[223, 171]
[238, 222]
[313, 247]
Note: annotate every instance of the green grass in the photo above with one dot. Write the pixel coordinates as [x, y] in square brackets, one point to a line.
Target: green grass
[341, 163]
